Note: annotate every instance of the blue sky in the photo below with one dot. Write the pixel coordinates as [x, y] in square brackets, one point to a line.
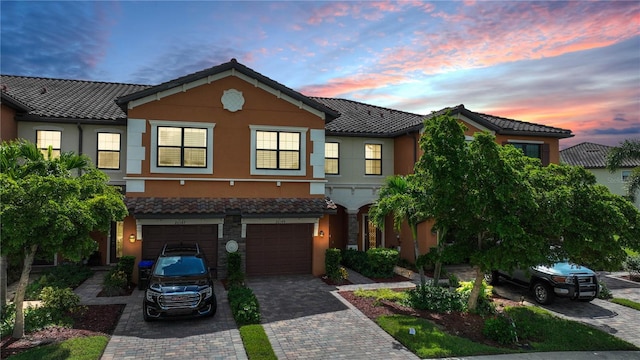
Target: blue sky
[574, 65]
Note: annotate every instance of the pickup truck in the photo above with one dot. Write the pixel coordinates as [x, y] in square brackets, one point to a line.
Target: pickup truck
[563, 279]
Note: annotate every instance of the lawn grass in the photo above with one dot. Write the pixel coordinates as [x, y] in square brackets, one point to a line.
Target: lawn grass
[429, 341]
[82, 348]
[626, 302]
[256, 343]
[537, 328]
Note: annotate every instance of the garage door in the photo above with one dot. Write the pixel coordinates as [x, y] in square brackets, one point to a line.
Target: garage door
[155, 236]
[277, 249]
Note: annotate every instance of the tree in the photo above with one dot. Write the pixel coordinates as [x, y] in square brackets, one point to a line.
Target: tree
[400, 197]
[627, 151]
[47, 208]
[442, 173]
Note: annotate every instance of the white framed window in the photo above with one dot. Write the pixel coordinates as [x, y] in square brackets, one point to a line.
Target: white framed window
[373, 159]
[49, 138]
[109, 147]
[181, 147]
[332, 158]
[278, 150]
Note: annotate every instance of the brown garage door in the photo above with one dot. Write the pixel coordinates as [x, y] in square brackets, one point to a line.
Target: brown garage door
[155, 236]
[277, 249]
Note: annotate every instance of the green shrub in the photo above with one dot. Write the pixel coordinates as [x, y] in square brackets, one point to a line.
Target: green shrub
[454, 281]
[485, 305]
[126, 264]
[434, 298]
[632, 265]
[381, 262]
[356, 260]
[235, 276]
[61, 300]
[244, 305]
[332, 258]
[382, 294]
[501, 329]
[604, 292]
[115, 282]
[35, 318]
[68, 275]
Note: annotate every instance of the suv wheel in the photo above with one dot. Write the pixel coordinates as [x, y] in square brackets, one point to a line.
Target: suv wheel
[543, 293]
[492, 278]
[145, 315]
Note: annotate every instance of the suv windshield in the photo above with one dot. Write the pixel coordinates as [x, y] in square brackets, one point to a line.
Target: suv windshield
[179, 266]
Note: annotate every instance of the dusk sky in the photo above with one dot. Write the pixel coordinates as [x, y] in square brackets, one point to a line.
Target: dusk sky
[574, 65]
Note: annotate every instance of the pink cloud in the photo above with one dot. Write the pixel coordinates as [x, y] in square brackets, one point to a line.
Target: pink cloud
[339, 86]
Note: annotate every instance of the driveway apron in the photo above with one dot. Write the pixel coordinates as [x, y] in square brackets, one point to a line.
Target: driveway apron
[305, 318]
[133, 338]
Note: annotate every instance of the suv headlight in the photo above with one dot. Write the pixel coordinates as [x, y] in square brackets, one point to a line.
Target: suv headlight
[563, 279]
[152, 293]
[207, 292]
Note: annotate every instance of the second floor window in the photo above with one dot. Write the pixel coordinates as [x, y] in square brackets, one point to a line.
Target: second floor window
[46, 138]
[530, 150]
[373, 159]
[625, 175]
[277, 150]
[182, 147]
[332, 158]
[109, 151]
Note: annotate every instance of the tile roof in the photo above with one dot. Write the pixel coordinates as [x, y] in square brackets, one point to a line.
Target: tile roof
[231, 65]
[61, 99]
[359, 119]
[591, 156]
[157, 207]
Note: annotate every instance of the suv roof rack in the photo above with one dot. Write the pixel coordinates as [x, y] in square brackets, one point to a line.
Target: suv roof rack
[172, 248]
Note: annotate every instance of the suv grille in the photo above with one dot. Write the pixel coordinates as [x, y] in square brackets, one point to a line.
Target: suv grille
[588, 284]
[182, 300]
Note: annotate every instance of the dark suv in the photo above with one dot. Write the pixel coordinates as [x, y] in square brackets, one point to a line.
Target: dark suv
[562, 279]
[180, 284]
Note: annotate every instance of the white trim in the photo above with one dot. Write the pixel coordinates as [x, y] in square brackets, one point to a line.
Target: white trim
[230, 180]
[48, 128]
[211, 78]
[154, 168]
[303, 151]
[282, 220]
[135, 185]
[135, 150]
[474, 124]
[178, 221]
[525, 141]
[109, 130]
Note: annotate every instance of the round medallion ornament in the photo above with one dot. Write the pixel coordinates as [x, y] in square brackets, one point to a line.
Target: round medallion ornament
[231, 246]
[232, 100]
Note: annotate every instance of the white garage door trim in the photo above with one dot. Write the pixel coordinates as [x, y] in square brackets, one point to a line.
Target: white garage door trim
[210, 221]
[279, 221]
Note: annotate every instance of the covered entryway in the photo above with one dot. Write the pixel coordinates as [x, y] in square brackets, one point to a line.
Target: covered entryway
[155, 236]
[278, 249]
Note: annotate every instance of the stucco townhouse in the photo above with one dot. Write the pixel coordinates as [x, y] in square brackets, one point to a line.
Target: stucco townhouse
[232, 159]
[593, 157]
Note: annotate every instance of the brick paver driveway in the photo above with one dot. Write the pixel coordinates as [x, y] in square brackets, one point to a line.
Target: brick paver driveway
[305, 320]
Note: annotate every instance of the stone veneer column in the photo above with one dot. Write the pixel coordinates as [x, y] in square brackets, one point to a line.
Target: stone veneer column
[353, 229]
[232, 231]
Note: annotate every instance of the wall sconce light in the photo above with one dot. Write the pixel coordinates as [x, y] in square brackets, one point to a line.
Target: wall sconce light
[321, 233]
[132, 238]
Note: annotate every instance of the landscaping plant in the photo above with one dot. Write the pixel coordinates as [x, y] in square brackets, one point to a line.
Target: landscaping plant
[244, 305]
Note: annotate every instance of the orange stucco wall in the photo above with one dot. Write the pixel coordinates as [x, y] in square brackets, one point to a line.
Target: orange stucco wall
[406, 151]
[8, 124]
[320, 246]
[231, 141]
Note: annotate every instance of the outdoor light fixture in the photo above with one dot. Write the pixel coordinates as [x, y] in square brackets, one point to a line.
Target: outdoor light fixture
[321, 233]
[132, 238]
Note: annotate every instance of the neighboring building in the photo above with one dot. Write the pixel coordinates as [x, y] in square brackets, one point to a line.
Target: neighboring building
[227, 156]
[593, 157]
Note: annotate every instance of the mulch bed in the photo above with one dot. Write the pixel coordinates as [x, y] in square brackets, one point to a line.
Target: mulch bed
[460, 324]
[94, 320]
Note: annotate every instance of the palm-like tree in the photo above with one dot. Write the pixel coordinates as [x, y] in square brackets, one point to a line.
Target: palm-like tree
[400, 197]
[628, 151]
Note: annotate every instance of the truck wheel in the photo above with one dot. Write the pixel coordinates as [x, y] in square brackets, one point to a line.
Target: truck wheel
[543, 293]
[492, 278]
[145, 316]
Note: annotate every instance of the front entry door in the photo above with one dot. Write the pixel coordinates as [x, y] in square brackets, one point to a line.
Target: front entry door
[372, 235]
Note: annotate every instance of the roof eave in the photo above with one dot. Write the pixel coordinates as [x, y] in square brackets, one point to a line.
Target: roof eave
[534, 133]
[14, 103]
[39, 118]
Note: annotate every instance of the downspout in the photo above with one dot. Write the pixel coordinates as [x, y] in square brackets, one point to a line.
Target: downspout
[80, 136]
